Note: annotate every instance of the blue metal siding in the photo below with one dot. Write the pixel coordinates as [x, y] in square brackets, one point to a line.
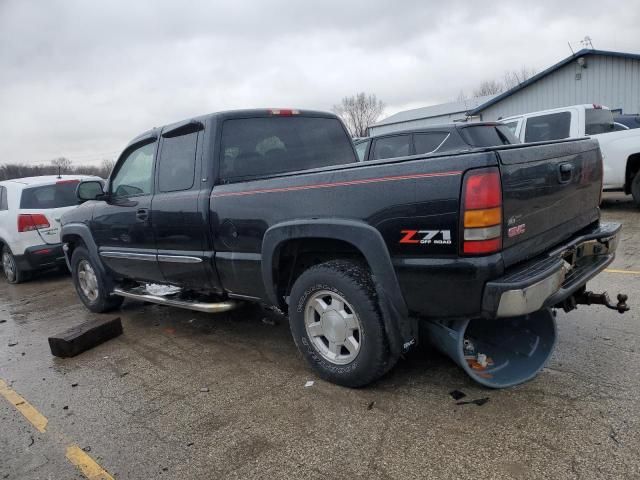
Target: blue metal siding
[613, 81]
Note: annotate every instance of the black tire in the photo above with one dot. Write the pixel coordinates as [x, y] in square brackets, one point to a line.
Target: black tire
[353, 283]
[635, 188]
[104, 301]
[14, 274]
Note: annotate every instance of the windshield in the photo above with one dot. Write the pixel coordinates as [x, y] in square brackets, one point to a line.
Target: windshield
[598, 120]
[61, 194]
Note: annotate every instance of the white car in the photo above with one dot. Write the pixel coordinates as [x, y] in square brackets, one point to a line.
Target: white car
[30, 211]
[620, 146]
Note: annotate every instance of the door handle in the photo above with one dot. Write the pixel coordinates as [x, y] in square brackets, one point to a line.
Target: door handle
[142, 214]
[565, 172]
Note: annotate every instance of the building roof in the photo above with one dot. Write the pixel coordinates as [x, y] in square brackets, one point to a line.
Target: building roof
[434, 110]
[582, 53]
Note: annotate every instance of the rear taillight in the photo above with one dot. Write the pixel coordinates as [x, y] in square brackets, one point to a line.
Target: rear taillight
[32, 221]
[482, 212]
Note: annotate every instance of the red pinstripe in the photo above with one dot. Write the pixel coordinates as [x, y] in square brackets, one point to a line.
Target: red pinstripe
[338, 184]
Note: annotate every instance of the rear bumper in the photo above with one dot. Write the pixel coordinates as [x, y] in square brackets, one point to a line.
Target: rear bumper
[40, 257]
[548, 280]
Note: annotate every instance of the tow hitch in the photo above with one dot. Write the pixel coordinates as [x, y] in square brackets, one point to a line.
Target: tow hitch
[590, 298]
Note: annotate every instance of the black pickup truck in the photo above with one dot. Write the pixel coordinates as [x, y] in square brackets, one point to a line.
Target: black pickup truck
[272, 206]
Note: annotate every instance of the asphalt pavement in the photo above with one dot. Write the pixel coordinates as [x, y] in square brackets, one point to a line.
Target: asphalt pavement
[185, 395]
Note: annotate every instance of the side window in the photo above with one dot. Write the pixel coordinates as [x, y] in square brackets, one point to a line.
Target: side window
[3, 199]
[361, 150]
[177, 162]
[391, 147]
[512, 126]
[553, 126]
[135, 175]
[428, 142]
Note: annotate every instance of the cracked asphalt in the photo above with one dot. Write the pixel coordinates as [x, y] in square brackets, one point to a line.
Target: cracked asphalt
[140, 411]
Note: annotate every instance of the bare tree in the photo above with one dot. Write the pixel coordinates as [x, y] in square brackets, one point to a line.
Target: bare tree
[488, 87]
[510, 79]
[63, 164]
[359, 112]
[513, 78]
[106, 167]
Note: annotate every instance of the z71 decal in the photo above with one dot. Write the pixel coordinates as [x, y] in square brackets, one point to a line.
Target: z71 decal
[426, 237]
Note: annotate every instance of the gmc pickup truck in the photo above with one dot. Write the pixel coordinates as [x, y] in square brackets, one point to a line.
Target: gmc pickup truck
[470, 251]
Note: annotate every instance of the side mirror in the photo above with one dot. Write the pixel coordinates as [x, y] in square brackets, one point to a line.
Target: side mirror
[90, 190]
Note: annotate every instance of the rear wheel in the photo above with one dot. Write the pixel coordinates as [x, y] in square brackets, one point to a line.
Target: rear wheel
[12, 271]
[90, 284]
[635, 188]
[337, 325]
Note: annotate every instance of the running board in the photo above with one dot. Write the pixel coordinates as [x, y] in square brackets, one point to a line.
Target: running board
[217, 307]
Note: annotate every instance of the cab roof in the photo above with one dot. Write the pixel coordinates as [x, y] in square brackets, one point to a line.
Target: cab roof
[47, 179]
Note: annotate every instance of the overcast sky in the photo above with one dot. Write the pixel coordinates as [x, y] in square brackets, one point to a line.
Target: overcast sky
[80, 78]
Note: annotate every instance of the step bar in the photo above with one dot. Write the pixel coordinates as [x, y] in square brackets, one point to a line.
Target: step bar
[214, 307]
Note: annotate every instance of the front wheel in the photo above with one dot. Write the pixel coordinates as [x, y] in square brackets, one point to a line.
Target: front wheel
[90, 284]
[635, 188]
[337, 325]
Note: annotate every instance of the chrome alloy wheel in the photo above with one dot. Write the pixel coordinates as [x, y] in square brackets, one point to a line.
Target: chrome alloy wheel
[9, 266]
[87, 280]
[333, 327]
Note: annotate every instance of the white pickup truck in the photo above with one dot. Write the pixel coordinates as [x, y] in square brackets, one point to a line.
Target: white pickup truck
[620, 146]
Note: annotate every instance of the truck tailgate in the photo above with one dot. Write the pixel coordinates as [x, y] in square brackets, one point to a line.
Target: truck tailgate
[550, 192]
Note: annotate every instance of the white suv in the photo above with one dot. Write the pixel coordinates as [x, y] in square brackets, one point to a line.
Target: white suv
[30, 211]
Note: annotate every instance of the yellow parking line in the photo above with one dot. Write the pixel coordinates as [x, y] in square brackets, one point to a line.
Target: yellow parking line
[86, 464]
[25, 408]
[627, 272]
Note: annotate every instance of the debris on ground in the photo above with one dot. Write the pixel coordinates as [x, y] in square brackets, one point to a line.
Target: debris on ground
[123, 374]
[13, 344]
[2, 320]
[82, 337]
[66, 407]
[32, 440]
[371, 404]
[457, 394]
[479, 402]
[269, 321]
[190, 444]
[204, 389]
[170, 331]
[86, 449]
[309, 384]
[74, 384]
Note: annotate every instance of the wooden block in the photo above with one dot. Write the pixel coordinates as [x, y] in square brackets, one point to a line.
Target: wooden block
[84, 336]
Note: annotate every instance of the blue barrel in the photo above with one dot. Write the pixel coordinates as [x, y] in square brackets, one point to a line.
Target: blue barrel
[497, 353]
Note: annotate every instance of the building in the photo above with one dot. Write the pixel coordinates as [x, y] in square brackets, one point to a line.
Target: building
[588, 76]
[425, 116]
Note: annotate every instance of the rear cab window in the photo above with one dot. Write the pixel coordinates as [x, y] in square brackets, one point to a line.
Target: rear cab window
[361, 149]
[391, 147]
[57, 195]
[552, 126]
[598, 120]
[428, 142]
[488, 135]
[262, 146]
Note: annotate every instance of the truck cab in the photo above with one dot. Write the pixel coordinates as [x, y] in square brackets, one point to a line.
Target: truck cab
[620, 146]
